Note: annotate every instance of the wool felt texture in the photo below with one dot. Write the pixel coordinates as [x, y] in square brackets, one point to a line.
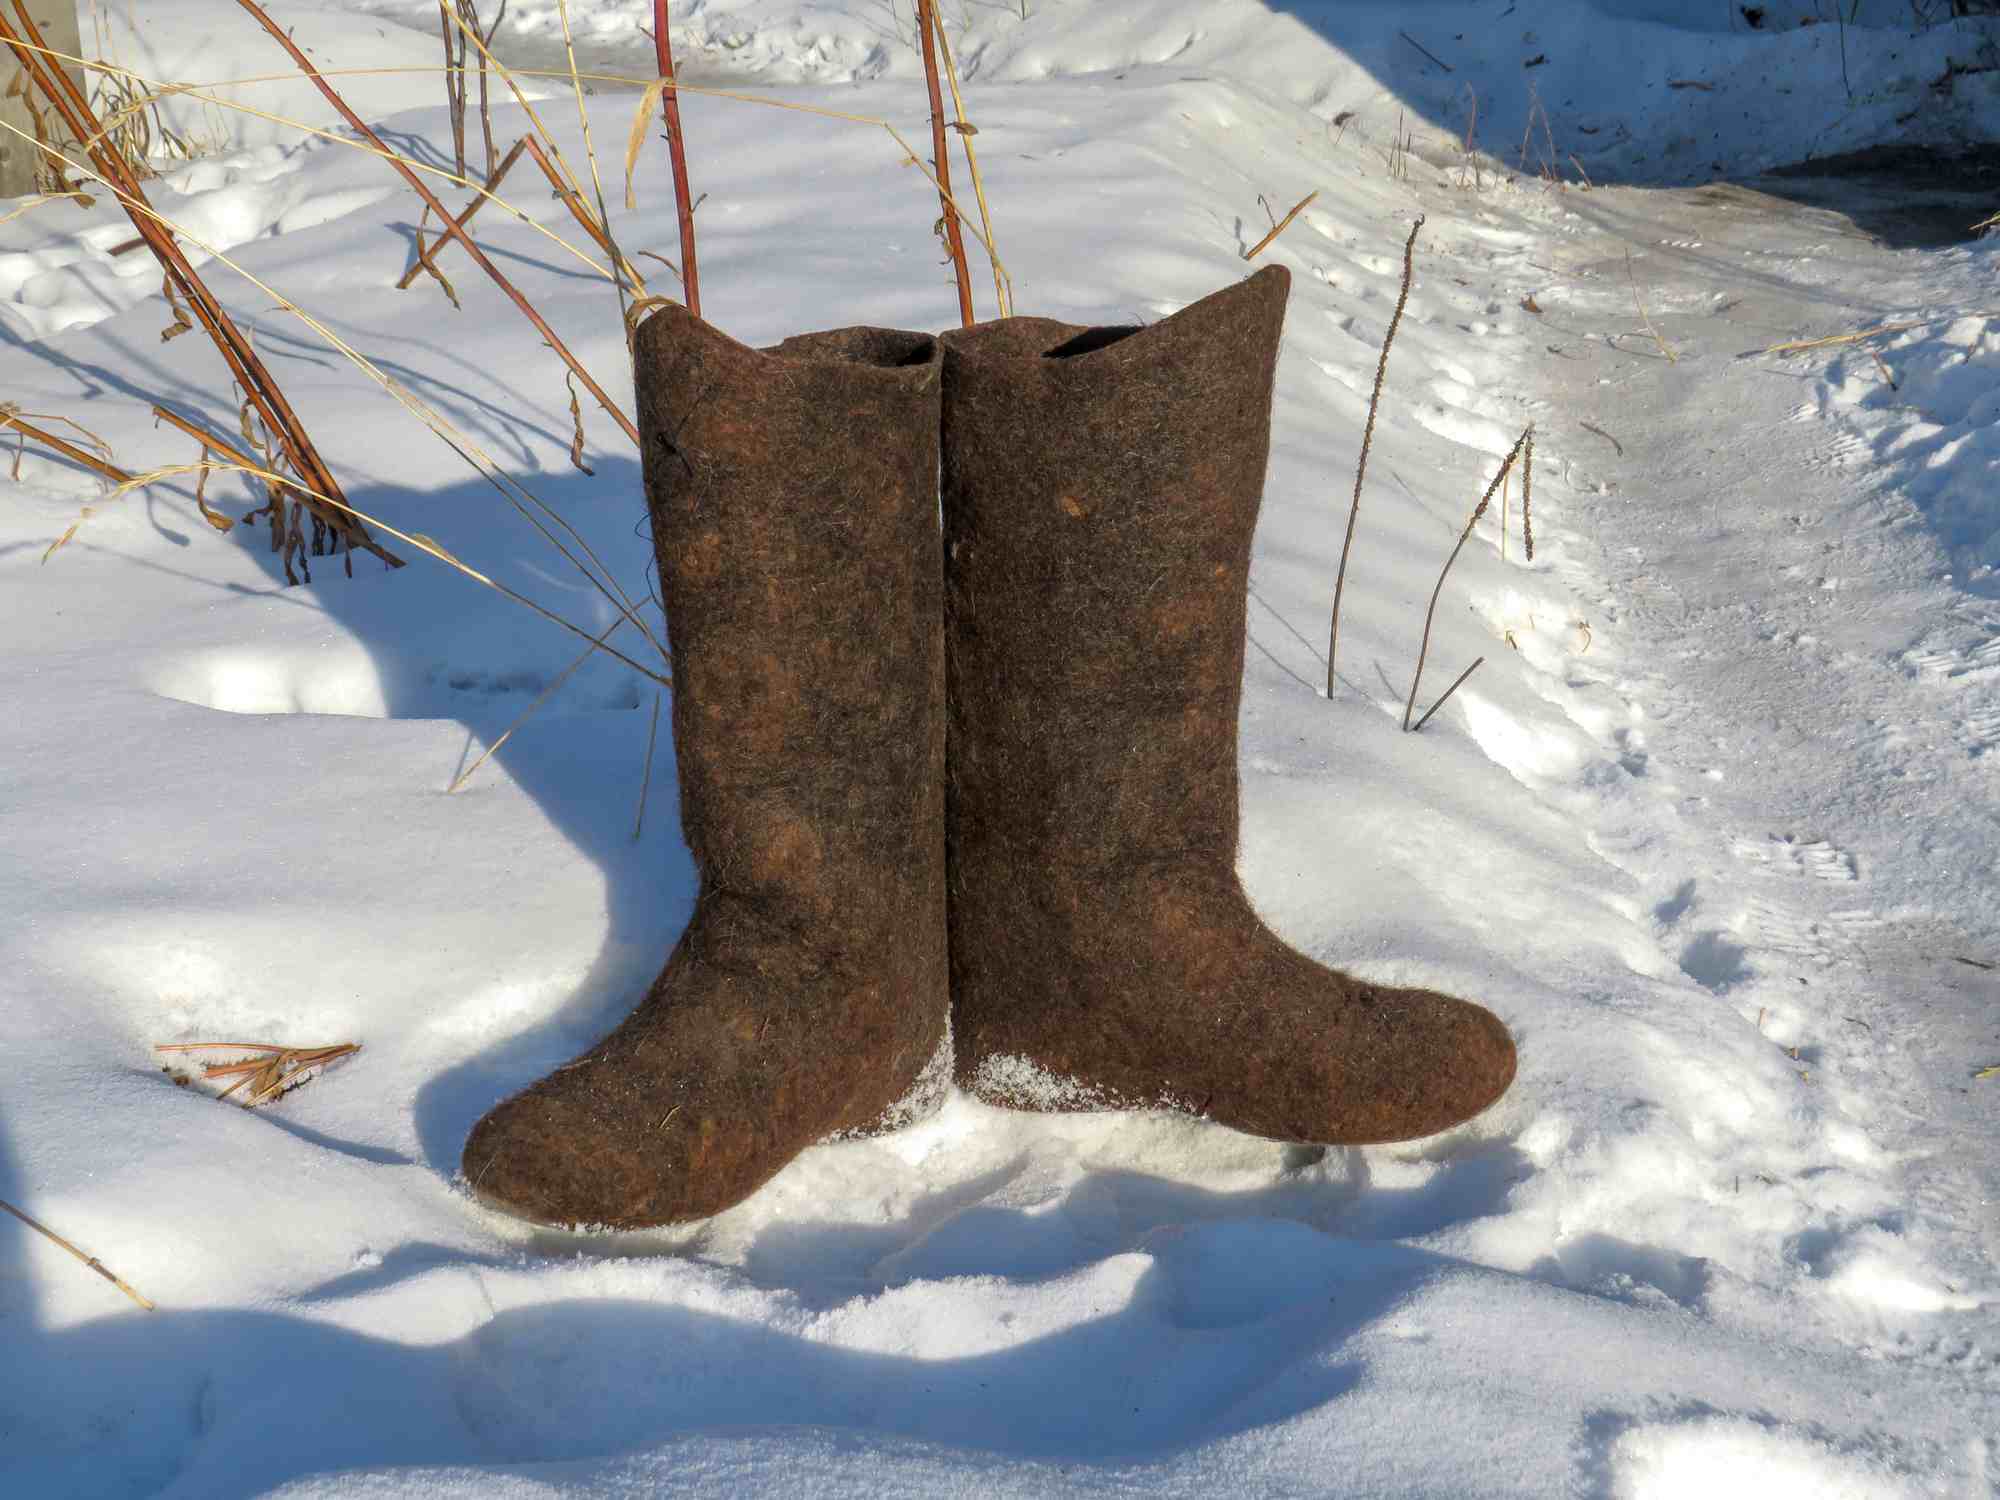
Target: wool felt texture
[793, 494]
[1100, 489]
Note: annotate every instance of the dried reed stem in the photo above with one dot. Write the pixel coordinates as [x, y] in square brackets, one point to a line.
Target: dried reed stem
[1279, 228]
[465, 217]
[68, 450]
[579, 211]
[1472, 520]
[670, 110]
[941, 160]
[1367, 437]
[602, 233]
[966, 131]
[276, 1070]
[498, 277]
[89, 1260]
[1843, 338]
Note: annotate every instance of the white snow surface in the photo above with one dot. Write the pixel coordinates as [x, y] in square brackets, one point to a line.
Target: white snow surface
[1713, 828]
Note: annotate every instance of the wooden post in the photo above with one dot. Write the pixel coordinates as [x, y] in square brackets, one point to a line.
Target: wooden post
[20, 163]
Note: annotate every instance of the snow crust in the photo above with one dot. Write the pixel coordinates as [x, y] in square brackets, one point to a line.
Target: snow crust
[1713, 828]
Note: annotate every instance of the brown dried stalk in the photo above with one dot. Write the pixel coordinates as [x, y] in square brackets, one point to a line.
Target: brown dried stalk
[1002, 298]
[465, 217]
[1631, 276]
[89, 1260]
[1528, 494]
[274, 1070]
[670, 110]
[454, 81]
[248, 368]
[1279, 228]
[1477, 511]
[1367, 437]
[590, 223]
[68, 450]
[941, 164]
[479, 256]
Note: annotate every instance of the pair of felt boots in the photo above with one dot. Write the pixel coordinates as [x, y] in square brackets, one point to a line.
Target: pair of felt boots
[963, 803]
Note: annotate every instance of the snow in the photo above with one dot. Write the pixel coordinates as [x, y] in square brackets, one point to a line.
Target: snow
[1713, 828]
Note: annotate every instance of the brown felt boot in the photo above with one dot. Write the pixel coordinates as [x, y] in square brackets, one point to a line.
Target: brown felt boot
[1100, 490]
[794, 502]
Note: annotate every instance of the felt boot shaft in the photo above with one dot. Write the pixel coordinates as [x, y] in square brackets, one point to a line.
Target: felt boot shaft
[794, 509]
[1100, 491]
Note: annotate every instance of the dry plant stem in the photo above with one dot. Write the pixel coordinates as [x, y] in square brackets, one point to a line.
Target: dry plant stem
[479, 257]
[67, 450]
[941, 162]
[1444, 697]
[966, 131]
[670, 110]
[1842, 338]
[602, 233]
[243, 361]
[1528, 495]
[1279, 228]
[1368, 436]
[1425, 50]
[580, 212]
[454, 82]
[1430, 613]
[1632, 277]
[425, 252]
[89, 1260]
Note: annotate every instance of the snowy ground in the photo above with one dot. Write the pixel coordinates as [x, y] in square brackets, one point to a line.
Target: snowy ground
[1714, 827]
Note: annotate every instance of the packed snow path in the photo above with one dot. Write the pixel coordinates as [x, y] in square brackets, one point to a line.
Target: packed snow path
[1712, 829]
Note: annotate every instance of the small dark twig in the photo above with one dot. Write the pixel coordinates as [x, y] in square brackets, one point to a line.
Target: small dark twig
[1471, 521]
[1425, 50]
[1368, 436]
[1477, 663]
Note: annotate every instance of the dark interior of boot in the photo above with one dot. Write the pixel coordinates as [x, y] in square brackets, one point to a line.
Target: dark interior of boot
[1087, 341]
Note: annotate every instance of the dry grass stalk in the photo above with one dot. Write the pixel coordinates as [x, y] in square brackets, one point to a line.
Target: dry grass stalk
[601, 230]
[966, 131]
[1430, 613]
[1367, 437]
[1632, 277]
[591, 225]
[454, 80]
[1280, 227]
[670, 111]
[465, 217]
[89, 1260]
[947, 224]
[1445, 696]
[1800, 346]
[498, 277]
[245, 364]
[10, 417]
[272, 1071]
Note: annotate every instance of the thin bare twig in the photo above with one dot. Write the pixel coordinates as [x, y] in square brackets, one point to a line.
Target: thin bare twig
[1279, 228]
[1477, 511]
[1477, 663]
[1368, 436]
[1425, 50]
[465, 217]
[646, 773]
[68, 450]
[89, 1260]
